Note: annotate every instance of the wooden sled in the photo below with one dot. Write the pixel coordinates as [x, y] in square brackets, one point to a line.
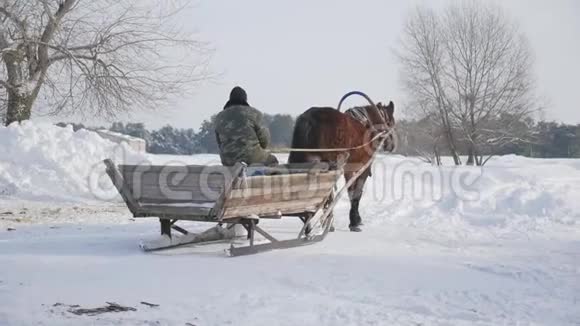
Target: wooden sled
[230, 196]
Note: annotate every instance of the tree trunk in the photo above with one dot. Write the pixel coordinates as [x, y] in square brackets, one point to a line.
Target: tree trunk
[449, 137]
[19, 107]
[437, 156]
[471, 156]
[20, 97]
[453, 150]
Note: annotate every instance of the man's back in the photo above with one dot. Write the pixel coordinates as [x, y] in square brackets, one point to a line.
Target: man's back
[241, 136]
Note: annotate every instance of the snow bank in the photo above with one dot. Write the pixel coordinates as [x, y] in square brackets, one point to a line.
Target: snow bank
[509, 193]
[44, 162]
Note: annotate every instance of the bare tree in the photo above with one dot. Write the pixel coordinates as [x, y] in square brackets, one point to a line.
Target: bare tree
[95, 57]
[422, 57]
[472, 66]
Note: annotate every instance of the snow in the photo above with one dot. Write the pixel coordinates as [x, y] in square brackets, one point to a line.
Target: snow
[43, 162]
[464, 246]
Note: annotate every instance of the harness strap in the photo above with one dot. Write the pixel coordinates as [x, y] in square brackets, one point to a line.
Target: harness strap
[383, 134]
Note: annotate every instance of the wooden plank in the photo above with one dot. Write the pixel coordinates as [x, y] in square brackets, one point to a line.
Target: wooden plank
[245, 211]
[193, 218]
[276, 199]
[168, 201]
[190, 169]
[175, 184]
[199, 169]
[182, 180]
[290, 207]
[176, 187]
[122, 187]
[305, 189]
[265, 199]
[177, 179]
[289, 180]
[175, 211]
[276, 204]
[161, 194]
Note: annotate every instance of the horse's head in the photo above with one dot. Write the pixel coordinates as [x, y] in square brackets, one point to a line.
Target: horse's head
[376, 118]
[387, 124]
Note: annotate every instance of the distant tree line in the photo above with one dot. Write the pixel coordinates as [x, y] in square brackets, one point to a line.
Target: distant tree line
[171, 140]
[544, 140]
[547, 140]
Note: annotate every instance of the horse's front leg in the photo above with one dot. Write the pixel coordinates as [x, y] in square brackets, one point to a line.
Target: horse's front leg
[355, 192]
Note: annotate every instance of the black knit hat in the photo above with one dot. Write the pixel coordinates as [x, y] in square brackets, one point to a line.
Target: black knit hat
[238, 96]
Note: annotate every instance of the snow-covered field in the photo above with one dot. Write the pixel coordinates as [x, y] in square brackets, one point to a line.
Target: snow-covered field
[441, 246]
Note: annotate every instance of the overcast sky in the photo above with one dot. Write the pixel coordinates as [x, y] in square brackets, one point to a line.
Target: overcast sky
[290, 55]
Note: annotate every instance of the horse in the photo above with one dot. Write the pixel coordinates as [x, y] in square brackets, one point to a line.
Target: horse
[356, 129]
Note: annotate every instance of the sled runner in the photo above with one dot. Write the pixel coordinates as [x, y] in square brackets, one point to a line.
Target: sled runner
[230, 196]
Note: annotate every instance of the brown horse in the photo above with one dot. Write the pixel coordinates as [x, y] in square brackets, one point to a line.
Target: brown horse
[326, 127]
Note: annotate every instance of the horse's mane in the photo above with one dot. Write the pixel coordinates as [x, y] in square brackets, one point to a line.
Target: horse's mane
[360, 114]
[364, 114]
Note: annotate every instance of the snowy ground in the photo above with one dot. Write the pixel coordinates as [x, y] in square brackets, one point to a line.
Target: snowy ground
[498, 246]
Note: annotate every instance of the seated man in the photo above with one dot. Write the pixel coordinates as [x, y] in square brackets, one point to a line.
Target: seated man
[241, 137]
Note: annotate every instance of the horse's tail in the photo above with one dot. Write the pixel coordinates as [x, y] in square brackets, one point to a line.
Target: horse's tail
[302, 138]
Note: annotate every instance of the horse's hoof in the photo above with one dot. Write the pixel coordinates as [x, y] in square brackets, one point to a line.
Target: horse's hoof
[355, 229]
[332, 229]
